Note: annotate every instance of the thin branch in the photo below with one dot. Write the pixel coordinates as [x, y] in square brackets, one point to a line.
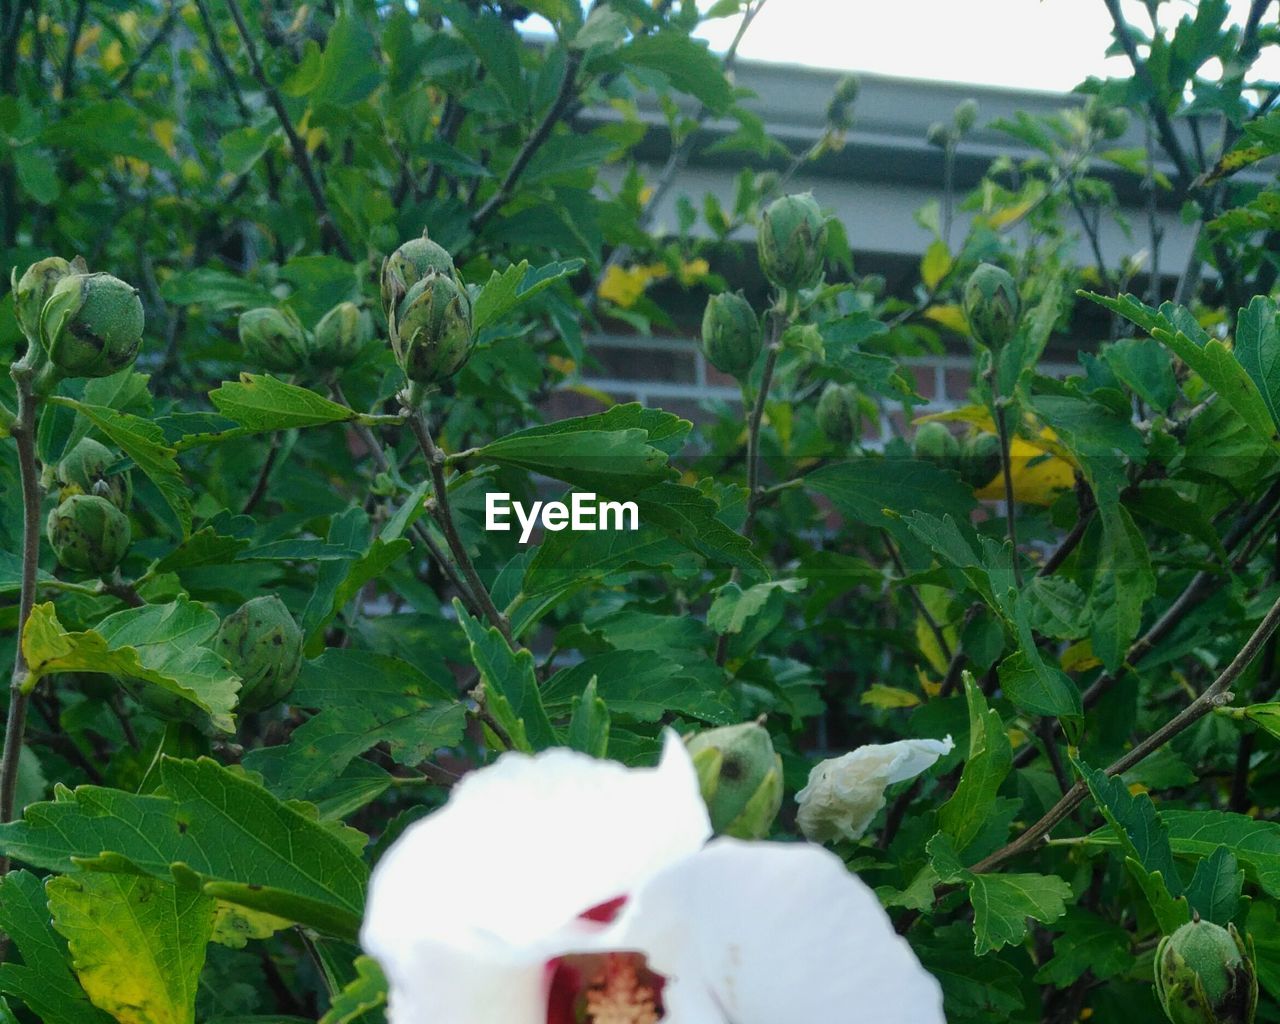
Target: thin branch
[73, 44]
[1215, 696]
[564, 97]
[220, 59]
[932, 623]
[161, 33]
[264, 476]
[297, 147]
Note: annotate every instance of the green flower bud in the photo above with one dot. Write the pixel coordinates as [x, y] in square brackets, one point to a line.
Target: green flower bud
[839, 416]
[91, 325]
[88, 534]
[336, 341]
[991, 305]
[740, 777]
[431, 331]
[83, 470]
[263, 645]
[940, 135]
[1114, 124]
[730, 333]
[934, 442]
[792, 242]
[1205, 975]
[32, 290]
[847, 88]
[966, 116]
[408, 265]
[273, 339]
[980, 459]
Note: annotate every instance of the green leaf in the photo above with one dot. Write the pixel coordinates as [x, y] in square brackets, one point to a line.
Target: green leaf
[137, 943]
[1210, 358]
[989, 761]
[568, 560]
[259, 402]
[510, 684]
[1214, 889]
[211, 827]
[1056, 607]
[589, 722]
[642, 686]
[863, 488]
[1087, 943]
[1144, 367]
[504, 291]
[687, 63]
[218, 289]
[734, 607]
[366, 992]
[143, 442]
[1002, 903]
[43, 981]
[1258, 349]
[1122, 584]
[1255, 844]
[394, 704]
[155, 645]
[692, 518]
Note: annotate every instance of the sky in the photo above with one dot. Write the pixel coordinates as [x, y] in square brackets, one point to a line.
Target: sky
[1050, 45]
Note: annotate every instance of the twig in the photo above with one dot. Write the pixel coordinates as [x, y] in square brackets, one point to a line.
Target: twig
[917, 600]
[73, 44]
[1215, 696]
[264, 476]
[220, 59]
[444, 516]
[24, 435]
[161, 33]
[297, 147]
[535, 142]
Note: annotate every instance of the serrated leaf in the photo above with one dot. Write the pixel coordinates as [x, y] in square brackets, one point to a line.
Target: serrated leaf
[157, 645]
[642, 686]
[589, 722]
[366, 992]
[510, 684]
[1214, 889]
[43, 981]
[210, 827]
[989, 761]
[1087, 942]
[504, 291]
[734, 607]
[260, 402]
[137, 944]
[144, 442]
[863, 488]
[363, 699]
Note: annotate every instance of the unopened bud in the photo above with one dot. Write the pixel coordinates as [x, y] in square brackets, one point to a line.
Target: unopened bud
[966, 116]
[407, 266]
[730, 333]
[792, 242]
[1205, 975]
[336, 341]
[88, 534]
[935, 443]
[263, 644]
[83, 470]
[991, 305]
[32, 290]
[273, 339]
[838, 414]
[980, 459]
[741, 778]
[431, 332]
[91, 325]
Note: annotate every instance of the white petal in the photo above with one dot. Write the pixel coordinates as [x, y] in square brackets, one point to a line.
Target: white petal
[762, 933]
[433, 982]
[522, 848]
[845, 793]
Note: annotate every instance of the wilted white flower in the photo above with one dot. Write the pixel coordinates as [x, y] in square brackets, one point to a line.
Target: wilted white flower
[845, 793]
[558, 889]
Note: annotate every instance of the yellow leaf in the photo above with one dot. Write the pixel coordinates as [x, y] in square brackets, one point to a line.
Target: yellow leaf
[951, 317]
[112, 56]
[975, 414]
[1137, 789]
[164, 133]
[1038, 477]
[623, 286]
[881, 696]
[1011, 214]
[234, 925]
[562, 364]
[693, 271]
[936, 264]
[87, 38]
[1079, 657]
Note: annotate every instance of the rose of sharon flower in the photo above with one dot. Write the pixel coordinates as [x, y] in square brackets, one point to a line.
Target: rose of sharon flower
[558, 889]
[845, 793]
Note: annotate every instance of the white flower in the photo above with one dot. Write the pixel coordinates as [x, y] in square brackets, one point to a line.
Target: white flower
[845, 793]
[557, 888]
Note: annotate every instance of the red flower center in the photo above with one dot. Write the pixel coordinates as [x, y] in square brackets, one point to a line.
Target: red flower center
[603, 988]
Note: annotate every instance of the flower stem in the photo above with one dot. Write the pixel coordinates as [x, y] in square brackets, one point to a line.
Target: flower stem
[24, 435]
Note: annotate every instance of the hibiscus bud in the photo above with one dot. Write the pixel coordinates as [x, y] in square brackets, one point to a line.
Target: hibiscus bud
[83, 470]
[1204, 975]
[336, 341]
[741, 778]
[730, 333]
[838, 414]
[980, 459]
[88, 534]
[431, 331]
[273, 339]
[991, 305]
[935, 443]
[408, 265]
[263, 645]
[1114, 124]
[847, 88]
[792, 242]
[91, 325]
[966, 116]
[32, 290]
[940, 135]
